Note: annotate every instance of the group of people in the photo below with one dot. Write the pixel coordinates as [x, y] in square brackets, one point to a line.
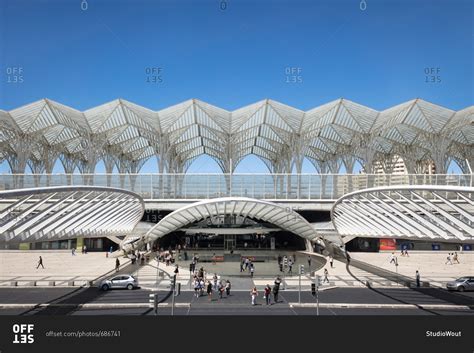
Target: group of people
[247, 265]
[404, 253]
[217, 285]
[286, 262]
[267, 293]
[452, 258]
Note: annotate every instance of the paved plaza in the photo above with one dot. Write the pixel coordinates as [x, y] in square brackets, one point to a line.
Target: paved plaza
[60, 267]
[431, 264]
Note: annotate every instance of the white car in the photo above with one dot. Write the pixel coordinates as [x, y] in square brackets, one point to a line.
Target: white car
[119, 281]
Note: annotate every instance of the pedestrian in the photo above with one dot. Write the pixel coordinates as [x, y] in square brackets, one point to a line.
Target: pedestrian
[254, 294]
[247, 262]
[201, 272]
[227, 287]
[117, 265]
[455, 258]
[449, 260]
[290, 266]
[392, 258]
[40, 262]
[196, 287]
[220, 289]
[85, 249]
[251, 271]
[309, 263]
[242, 261]
[417, 276]
[331, 261]
[276, 289]
[326, 273]
[209, 290]
[73, 251]
[267, 294]
[201, 287]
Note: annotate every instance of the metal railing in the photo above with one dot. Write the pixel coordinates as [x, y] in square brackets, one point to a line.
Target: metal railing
[260, 186]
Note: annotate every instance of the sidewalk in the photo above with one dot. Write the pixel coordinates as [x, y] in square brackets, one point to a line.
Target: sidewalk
[431, 265]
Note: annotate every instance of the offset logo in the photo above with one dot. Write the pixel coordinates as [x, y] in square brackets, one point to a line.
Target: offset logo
[23, 333]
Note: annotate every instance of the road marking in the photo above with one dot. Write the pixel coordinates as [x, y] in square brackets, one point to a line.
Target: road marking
[381, 306]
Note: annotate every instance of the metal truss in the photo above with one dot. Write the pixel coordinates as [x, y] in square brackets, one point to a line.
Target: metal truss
[280, 216]
[58, 213]
[413, 212]
[124, 136]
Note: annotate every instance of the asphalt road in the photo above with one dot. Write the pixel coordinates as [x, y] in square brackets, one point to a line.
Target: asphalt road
[238, 303]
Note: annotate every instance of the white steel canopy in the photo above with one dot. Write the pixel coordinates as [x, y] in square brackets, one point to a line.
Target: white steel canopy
[56, 213]
[416, 212]
[125, 135]
[280, 216]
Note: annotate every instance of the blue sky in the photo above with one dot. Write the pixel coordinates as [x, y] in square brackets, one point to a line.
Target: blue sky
[238, 56]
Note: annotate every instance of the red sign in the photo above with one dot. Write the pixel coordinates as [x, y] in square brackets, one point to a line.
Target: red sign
[388, 244]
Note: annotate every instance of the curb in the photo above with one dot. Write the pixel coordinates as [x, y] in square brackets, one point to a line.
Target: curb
[380, 306]
[92, 305]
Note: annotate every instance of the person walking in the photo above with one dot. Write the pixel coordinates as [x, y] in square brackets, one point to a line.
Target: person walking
[268, 293]
[220, 289]
[392, 258]
[117, 265]
[331, 261]
[449, 260]
[247, 263]
[417, 276]
[196, 287]
[40, 262]
[290, 266]
[227, 287]
[276, 289]
[254, 294]
[252, 270]
[455, 258]
[326, 273]
[202, 284]
[209, 290]
[242, 262]
[73, 251]
[85, 249]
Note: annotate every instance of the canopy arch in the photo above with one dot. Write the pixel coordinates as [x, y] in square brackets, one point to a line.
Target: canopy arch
[282, 217]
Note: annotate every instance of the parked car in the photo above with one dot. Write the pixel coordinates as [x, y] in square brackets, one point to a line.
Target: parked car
[461, 284]
[119, 281]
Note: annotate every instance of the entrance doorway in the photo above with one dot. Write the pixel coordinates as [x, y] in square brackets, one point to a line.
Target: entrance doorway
[229, 242]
